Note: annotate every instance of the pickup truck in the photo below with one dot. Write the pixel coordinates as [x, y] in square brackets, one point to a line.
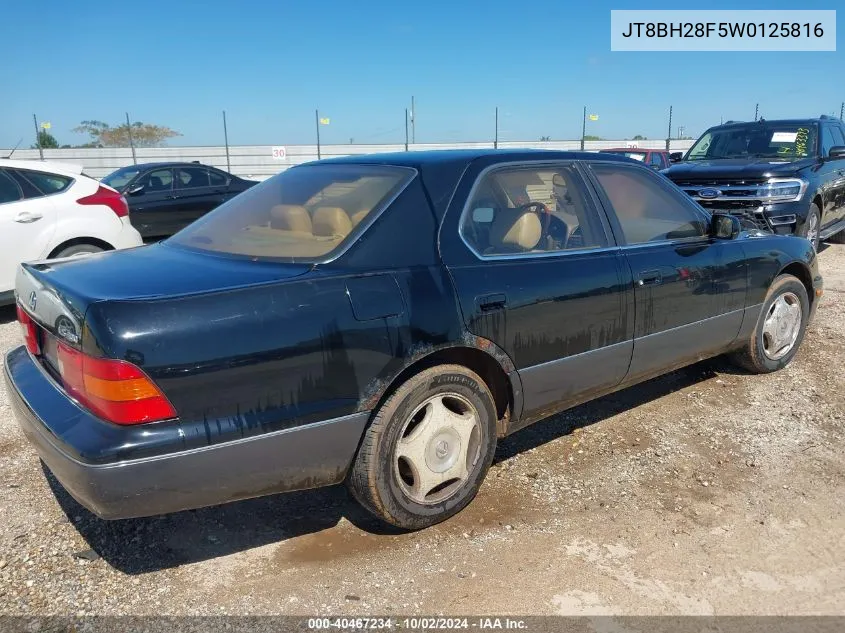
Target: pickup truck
[785, 176]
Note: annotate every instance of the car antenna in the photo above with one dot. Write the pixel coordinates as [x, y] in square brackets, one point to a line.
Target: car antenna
[14, 148]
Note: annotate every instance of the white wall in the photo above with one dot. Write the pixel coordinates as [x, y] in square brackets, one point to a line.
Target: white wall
[256, 161]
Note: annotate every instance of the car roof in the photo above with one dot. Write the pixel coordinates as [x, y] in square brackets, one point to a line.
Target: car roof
[425, 158]
[633, 149]
[163, 164]
[731, 124]
[65, 169]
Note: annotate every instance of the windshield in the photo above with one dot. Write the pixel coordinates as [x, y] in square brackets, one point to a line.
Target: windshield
[120, 178]
[302, 214]
[756, 140]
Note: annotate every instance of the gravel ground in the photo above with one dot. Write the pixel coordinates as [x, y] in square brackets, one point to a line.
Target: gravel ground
[706, 491]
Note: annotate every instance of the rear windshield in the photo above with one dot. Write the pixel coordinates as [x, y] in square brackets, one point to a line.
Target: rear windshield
[640, 156]
[303, 214]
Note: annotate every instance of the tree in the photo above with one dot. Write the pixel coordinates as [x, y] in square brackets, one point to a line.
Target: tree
[545, 138]
[640, 137]
[590, 137]
[143, 134]
[46, 141]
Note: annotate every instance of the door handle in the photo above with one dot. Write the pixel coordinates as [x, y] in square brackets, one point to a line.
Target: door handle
[25, 217]
[488, 303]
[649, 278]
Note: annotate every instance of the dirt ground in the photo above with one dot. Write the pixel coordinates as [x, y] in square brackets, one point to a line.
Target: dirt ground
[706, 491]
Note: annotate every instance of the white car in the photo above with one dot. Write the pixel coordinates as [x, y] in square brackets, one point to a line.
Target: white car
[51, 210]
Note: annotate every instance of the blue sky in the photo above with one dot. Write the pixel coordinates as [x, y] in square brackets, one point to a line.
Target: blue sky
[270, 63]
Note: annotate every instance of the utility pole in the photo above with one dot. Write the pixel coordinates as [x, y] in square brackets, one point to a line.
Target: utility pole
[413, 121]
[131, 144]
[226, 140]
[406, 129]
[317, 121]
[496, 137]
[756, 110]
[669, 136]
[583, 128]
[38, 137]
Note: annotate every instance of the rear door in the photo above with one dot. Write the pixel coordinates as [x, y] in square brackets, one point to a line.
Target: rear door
[837, 169]
[27, 222]
[537, 273]
[831, 175]
[195, 194]
[151, 207]
[689, 288]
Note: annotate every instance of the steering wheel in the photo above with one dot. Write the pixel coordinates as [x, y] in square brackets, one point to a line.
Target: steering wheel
[542, 211]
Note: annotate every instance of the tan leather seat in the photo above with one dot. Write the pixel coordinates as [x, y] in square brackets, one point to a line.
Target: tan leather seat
[290, 217]
[331, 222]
[358, 216]
[514, 230]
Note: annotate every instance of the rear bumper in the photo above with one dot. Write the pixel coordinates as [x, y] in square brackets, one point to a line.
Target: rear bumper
[128, 237]
[293, 459]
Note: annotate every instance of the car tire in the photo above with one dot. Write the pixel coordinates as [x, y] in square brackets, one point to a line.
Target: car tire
[812, 226]
[78, 250]
[779, 330]
[437, 420]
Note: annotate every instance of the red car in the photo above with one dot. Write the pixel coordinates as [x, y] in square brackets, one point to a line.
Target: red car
[657, 159]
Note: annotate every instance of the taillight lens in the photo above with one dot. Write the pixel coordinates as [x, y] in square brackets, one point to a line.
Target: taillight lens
[30, 335]
[115, 390]
[110, 198]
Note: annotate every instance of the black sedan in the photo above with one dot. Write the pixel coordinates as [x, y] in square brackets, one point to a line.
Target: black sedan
[164, 198]
[383, 320]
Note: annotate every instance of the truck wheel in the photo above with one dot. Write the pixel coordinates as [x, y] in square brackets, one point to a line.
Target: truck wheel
[780, 328]
[810, 230]
[427, 450]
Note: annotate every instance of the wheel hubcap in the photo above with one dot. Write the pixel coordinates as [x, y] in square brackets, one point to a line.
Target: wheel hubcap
[439, 446]
[781, 326]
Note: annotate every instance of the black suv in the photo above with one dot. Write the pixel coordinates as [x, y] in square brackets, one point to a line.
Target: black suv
[784, 176]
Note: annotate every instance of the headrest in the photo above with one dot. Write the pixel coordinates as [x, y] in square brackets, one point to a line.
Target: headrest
[290, 217]
[516, 228]
[358, 216]
[331, 222]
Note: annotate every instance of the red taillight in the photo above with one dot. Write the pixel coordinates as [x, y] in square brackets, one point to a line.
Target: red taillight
[110, 198]
[30, 335]
[115, 390]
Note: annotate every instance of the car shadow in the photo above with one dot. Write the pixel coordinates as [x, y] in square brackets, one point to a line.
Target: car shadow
[7, 314]
[137, 546]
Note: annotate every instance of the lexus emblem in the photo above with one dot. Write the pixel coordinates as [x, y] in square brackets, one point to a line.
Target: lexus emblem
[709, 193]
[33, 300]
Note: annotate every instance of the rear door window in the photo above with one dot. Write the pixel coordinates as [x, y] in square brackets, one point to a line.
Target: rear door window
[191, 178]
[216, 179]
[9, 189]
[45, 182]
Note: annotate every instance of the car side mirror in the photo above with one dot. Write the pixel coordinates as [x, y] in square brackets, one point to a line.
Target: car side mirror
[724, 226]
[837, 151]
[135, 190]
[676, 157]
